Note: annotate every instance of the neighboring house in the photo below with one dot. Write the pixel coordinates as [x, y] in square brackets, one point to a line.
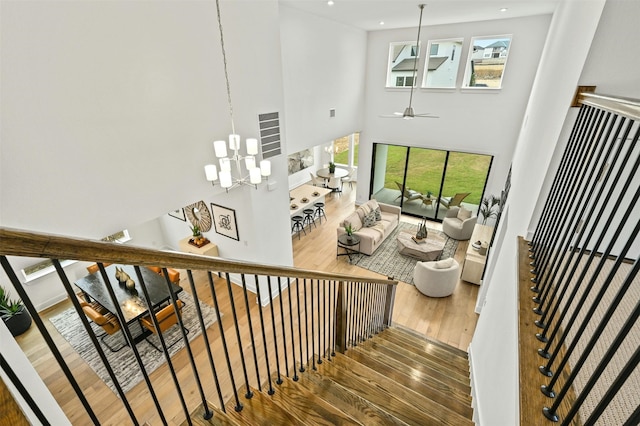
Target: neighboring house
[496, 50]
[403, 66]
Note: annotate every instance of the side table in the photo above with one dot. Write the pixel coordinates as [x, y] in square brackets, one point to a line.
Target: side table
[348, 245]
[209, 249]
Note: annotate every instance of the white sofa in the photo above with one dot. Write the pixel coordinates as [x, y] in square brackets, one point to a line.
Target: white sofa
[437, 278]
[371, 236]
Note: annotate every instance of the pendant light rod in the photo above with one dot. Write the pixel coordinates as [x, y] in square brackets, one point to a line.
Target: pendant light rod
[224, 61]
[415, 58]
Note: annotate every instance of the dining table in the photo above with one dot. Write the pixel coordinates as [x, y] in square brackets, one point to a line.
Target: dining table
[131, 302]
[338, 173]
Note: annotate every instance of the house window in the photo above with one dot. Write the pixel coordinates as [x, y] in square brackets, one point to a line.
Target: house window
[345, 150]
[433, 50]
[487, 61]
[402, 64]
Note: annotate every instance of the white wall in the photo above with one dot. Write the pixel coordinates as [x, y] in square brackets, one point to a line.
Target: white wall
[323, 68]
[463, 112]
[494, 346]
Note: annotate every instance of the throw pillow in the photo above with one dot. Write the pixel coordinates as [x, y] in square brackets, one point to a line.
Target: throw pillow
[369, 219]
[464, 214]
[444, 264]
[378, 214]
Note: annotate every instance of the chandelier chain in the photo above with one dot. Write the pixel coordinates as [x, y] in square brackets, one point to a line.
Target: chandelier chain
[226, 73]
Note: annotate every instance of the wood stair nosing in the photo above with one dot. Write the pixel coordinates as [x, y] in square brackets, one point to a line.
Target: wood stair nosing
[261, 410]
[423, 342]
[398, 400]
[219, 417]
[425, 348]
[429, 366]
[307, 406]
[436, 390]
[353, 404]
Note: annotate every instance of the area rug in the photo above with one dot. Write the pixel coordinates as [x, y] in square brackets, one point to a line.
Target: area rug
[123, 362]
[387, 261]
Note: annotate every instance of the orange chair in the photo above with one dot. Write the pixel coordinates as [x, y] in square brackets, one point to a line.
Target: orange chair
[174, 274]
[94, 268]
[166, 318]
[108, 321]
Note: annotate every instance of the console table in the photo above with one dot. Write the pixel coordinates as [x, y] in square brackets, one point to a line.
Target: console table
[208, 249]
[474, 261]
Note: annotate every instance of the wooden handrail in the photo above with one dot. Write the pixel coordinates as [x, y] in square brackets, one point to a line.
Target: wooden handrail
[623, 106]
[33, 244]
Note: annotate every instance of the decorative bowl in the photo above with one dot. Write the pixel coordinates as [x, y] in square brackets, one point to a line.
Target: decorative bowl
[305, 200]
[476, 245]
[315, 194]
[294, 206]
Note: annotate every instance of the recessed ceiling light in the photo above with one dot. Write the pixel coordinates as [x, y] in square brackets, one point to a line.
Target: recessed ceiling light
[330, 2]
[381, 22]
[504, 9]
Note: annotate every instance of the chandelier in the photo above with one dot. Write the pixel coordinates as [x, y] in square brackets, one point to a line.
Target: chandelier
[228, 179]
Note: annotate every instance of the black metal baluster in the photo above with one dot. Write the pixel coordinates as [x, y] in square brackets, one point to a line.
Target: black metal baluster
[299, 324]
[293, 339]
[271, 391]
[545, 352]
[251, 334]
[275, 334]
[320, 325]
[156, 325]
[306, 322]
[207, 344]
[569, 223]
[325, 326]
[634, 418]
[332, 291]
[313, 342]
[550, 413]
[284, 334]
[13, 378]
[620, 379]
[551, 198]
[238, 406]
[249, 393]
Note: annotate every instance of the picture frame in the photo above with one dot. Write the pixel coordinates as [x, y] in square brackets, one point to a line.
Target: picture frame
[225, 222]
[178, 214]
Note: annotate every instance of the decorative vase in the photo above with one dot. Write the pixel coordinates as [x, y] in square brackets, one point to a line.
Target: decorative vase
[349, 238]
[332, 168]
[130, 284]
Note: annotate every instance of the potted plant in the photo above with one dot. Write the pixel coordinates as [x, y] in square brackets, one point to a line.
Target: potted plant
[332, 167]
[13, 313]
[488, 207]
[349, 230]
[195, 230]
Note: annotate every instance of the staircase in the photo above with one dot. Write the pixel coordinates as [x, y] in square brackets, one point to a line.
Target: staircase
[395, 378]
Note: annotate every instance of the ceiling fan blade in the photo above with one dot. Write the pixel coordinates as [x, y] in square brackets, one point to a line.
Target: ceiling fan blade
[426, 115]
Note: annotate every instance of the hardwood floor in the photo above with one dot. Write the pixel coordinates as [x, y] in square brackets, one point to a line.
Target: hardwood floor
[450, 320]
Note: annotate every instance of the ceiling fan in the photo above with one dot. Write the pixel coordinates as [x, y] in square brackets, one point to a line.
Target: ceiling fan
[408, 113]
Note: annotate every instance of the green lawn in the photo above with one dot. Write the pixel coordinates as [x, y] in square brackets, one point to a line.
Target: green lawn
[465, 172]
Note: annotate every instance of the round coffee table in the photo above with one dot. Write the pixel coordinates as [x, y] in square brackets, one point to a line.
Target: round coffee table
[348, 245]
[431, 249]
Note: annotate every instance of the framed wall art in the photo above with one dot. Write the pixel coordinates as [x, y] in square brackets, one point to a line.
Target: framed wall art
[198, 214]
[225, 222]
[178, 214]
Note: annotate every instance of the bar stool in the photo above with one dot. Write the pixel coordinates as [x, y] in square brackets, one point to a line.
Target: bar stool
[297, 225]
[308, 218]
[319, 213]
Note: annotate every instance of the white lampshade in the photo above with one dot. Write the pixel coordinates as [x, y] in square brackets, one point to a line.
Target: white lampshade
[211, 172]
[234, 142]
[254, 176]
[265, 168]
[252, 146]
[225, 179]
[225, 165]
[250, 162]
[220, 148]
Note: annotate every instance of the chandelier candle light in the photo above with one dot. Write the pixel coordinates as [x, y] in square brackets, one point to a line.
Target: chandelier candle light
[227, 180]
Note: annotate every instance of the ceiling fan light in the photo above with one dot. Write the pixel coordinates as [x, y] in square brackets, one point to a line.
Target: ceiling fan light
[408, 113]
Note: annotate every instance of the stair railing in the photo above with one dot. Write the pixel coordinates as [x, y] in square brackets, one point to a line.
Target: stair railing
[311, 315]
[585, 256]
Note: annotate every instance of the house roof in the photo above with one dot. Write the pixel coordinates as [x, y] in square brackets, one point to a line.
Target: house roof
[499, 43]
[436, 61]
[408, 64]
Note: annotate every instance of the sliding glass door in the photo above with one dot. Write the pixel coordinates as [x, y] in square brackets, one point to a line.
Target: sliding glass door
[427, 182]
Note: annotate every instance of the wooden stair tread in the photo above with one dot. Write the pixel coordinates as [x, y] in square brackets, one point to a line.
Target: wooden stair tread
[431, 366]
[351, 403]
[426, 348]
[261, 410]
[423, 342]
[219, 418]
[306, 406]
[446, 394]
[400, 401]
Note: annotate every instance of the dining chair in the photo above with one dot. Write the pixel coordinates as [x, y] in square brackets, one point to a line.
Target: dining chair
[94, 268]
[351, 178]
[166, 318]
[317, 181]
[335, 184]
[107, 321]
[174, 274]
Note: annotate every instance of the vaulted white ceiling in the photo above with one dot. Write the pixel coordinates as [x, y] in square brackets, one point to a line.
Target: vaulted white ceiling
[367, 14]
